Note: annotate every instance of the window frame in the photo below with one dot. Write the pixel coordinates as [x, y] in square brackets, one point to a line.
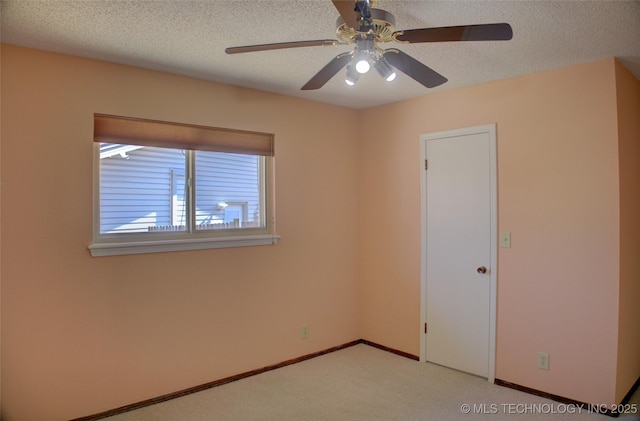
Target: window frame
[110, 244]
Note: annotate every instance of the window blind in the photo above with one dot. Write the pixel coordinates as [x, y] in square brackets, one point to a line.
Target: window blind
[136, 131]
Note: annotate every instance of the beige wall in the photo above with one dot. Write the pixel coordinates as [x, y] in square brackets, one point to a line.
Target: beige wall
[557, 194]
[628, 102]
[82, 334]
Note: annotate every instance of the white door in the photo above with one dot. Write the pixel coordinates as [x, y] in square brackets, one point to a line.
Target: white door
[460, 243]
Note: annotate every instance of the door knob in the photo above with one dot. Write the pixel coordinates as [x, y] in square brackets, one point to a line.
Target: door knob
[482, 270]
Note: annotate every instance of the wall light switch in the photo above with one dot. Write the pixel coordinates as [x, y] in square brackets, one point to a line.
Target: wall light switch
[505, 240]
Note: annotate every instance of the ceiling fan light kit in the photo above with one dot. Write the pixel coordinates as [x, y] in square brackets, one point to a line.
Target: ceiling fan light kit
[366, 27]
[362, 65]
[364, 53]
[385, 70]
[352, 76]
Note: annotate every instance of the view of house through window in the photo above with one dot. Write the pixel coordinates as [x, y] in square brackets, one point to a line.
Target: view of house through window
[148, 189]
[164, 186]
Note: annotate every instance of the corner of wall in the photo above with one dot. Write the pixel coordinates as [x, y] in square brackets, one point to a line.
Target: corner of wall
[628, 110]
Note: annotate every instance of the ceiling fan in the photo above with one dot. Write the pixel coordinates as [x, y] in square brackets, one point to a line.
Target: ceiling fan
[361, 24]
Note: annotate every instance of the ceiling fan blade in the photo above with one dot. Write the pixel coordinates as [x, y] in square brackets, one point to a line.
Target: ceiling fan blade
[347, 11]
[327, 72]
[280, 45]
[413, 68]
[485, 32]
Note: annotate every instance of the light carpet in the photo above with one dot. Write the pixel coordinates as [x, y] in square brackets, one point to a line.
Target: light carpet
[362, 383]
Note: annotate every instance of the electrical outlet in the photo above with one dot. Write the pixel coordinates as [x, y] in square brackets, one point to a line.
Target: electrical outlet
[304, 331]
[543, 360]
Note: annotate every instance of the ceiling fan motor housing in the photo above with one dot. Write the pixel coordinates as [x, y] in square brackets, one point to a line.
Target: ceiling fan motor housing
[381, 28]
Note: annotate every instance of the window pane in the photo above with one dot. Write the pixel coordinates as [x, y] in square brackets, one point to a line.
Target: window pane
[228, 191]
[141, 189]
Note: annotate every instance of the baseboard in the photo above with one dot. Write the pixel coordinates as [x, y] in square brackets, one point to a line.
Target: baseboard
[633, 389]
[393, 351]
[230, 379]
[562, 399]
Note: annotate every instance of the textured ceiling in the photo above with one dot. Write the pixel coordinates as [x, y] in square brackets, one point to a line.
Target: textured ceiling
[189, 38]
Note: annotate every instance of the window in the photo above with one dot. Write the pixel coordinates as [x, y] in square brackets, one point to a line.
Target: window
[165, 186]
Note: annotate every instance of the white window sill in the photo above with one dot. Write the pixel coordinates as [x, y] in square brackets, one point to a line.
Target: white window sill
[158, 246]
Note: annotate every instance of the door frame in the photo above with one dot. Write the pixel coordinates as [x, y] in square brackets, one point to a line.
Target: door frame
[493, 272]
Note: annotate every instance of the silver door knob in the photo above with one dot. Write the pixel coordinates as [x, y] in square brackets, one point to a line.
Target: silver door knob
[482, 270]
